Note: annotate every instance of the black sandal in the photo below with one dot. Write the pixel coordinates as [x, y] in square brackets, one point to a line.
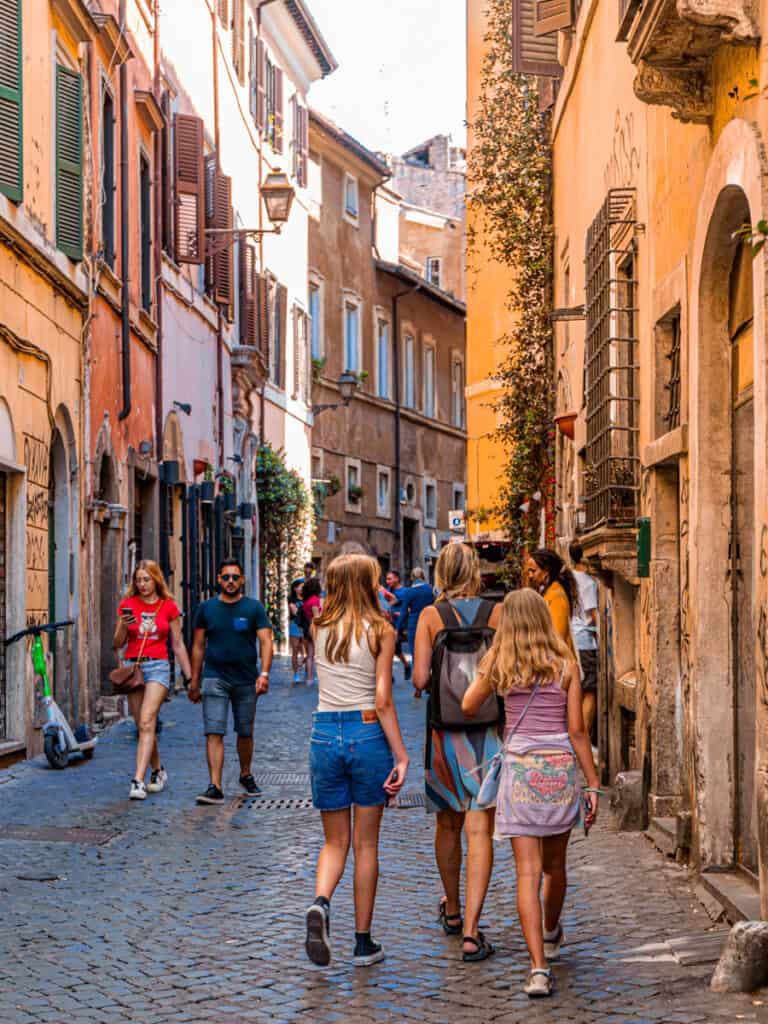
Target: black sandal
[483, 951]
[444, 919]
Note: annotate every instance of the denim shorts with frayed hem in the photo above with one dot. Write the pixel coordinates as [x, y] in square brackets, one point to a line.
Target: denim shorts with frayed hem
[218, 694]
[349, 761]
[155, 670]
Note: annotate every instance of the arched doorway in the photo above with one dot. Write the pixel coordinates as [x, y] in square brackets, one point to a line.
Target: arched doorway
[723, 542]
[62, 548]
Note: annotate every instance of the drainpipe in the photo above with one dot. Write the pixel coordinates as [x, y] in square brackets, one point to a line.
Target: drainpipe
[219, 328]
[124, 230]
[158, 263]
[398, 419]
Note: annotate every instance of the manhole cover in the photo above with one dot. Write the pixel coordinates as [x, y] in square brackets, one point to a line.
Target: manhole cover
[49, 834]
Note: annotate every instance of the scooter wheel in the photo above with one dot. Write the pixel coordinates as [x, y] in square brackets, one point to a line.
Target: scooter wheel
[58, 756]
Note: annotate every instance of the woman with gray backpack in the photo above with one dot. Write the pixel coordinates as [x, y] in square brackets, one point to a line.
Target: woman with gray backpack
[452, 637]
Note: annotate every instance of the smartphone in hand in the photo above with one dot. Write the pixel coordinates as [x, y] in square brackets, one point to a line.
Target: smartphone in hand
[392, 800]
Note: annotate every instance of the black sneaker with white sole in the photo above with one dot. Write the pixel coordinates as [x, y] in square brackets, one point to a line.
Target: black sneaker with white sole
[318, 943]
[249, 785]
[367, 953]
[212, 795]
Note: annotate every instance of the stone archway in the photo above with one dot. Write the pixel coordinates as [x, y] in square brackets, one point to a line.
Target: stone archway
[727, 498]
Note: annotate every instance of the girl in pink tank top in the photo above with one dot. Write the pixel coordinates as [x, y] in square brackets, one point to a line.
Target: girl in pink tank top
[539, 795]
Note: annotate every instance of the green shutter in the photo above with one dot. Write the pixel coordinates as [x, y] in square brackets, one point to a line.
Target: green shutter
[11, 152]
[69, 162]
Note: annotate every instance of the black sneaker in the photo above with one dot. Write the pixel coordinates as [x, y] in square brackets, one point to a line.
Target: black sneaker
[249, 785]
[318, 944]
[367, 953]
[212, 795]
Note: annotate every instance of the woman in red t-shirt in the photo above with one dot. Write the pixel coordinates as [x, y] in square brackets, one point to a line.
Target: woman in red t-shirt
[147, 618]
[311, 606]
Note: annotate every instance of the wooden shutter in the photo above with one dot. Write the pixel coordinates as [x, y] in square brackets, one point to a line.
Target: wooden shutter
[248, 297]
[281, 327]
[252, 57]
[210, 165]
[295, 153]
[69, 162]
[304, 143]
[166, 186]
[223, 262]
[551, 16]
[11, 119]
[190, 189]
[238, 38]
[532, 54]
[261, 86]
[296, 354]
[279, 111]
[262, 314]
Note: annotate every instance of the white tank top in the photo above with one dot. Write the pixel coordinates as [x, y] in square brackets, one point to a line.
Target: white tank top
[346, 685]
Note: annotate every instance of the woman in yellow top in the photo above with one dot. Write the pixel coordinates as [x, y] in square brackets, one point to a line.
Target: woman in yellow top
[546, 572]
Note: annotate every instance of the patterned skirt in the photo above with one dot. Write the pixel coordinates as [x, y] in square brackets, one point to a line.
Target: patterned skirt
[455, 766]
[539, 790]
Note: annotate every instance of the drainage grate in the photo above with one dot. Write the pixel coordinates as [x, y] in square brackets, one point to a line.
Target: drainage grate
[279, 803]
[49, 834]
[282, 778]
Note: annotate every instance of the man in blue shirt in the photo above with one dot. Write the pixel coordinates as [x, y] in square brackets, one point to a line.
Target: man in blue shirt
[395, 585]
[230, 631]
[417, 597]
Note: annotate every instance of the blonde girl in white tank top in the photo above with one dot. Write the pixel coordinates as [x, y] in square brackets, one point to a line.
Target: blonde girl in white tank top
[357, 754]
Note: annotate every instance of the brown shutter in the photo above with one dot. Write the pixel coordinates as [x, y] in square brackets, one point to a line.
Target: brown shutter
[223, 262]
[282, 325]
[278, 110]
[262, 314]
[261, 89]
[295, 152]
[532, 54]
[238, 38]
[248, 318]
[166, 185]
[551, 16]
[296, 355]
[190, 194]
[210, 218]
[251, 69]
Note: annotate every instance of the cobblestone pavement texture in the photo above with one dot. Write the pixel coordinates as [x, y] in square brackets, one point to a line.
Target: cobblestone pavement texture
[169, 912]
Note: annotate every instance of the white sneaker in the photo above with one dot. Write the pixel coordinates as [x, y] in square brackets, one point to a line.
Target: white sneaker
[552, 946]
[157, 781]
[138, 790]
[539, 984]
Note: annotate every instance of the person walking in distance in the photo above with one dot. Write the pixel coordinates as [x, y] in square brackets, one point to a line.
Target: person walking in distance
[455, 758]
[146, 618]
[311, 607]
[417, 597]
[295, 627]
[538, 798]
[230, 632]
[395, 586]
[584, 624]
[355, 736]
[547, 574]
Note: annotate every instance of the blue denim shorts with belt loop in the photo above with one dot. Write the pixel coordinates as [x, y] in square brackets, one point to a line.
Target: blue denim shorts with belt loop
[349, 761]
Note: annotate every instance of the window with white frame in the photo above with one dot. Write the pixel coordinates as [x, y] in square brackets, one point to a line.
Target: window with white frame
[351, 198]
[383, 358]
[430, 502]
[409, 371]
[457, 391]
[434, 270]
[316, 315]
[429, 381]
[351, 333]
[383, 492]
[353, 485]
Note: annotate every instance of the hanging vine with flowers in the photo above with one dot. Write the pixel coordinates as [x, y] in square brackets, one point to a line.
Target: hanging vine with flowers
[285, 530]
[510, 177]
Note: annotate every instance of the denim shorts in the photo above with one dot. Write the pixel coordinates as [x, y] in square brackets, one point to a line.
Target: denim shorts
[349, 761]
[218, 694]
[156, 670]
[295, 632]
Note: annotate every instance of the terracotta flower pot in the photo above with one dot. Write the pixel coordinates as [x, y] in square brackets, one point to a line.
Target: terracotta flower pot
[565, 423]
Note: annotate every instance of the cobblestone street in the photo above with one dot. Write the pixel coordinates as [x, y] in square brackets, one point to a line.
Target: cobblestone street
[168, 912]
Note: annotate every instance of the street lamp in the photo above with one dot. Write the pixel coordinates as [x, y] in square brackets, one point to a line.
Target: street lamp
[348, 383]
[278, 195]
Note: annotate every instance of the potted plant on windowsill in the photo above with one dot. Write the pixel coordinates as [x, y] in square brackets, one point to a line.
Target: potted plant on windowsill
[318, 365]
[227, 491]
[354, 494]
[207, 486]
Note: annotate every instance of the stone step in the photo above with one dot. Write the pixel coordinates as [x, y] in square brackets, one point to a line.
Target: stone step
[12, 751]
[663, 834]
[736, 893]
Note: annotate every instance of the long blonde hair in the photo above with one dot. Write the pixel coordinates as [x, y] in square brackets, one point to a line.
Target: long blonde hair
[351, 606]
[151, 569]
[457, 573]
[526, 647]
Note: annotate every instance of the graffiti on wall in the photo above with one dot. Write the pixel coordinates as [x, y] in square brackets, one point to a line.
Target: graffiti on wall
[36, 462]
[624, 161]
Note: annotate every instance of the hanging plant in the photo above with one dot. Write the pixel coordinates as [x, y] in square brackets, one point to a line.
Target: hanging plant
[285, 535]
[510, 180]
[318, 365]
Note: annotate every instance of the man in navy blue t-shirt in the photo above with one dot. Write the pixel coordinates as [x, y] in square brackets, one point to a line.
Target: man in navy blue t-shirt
[230, 631]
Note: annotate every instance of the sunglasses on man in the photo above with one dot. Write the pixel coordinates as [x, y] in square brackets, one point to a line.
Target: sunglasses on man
[233, 577]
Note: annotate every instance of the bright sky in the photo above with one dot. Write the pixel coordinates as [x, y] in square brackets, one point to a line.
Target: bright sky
[402, 69]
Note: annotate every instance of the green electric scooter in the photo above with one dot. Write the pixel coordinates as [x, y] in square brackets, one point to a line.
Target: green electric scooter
[58, 738]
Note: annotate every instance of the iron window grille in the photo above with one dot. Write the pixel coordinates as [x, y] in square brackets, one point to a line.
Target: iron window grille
[612, 470]
[672, 387]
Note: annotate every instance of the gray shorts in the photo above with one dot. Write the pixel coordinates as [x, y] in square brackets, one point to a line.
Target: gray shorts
[218, 694]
